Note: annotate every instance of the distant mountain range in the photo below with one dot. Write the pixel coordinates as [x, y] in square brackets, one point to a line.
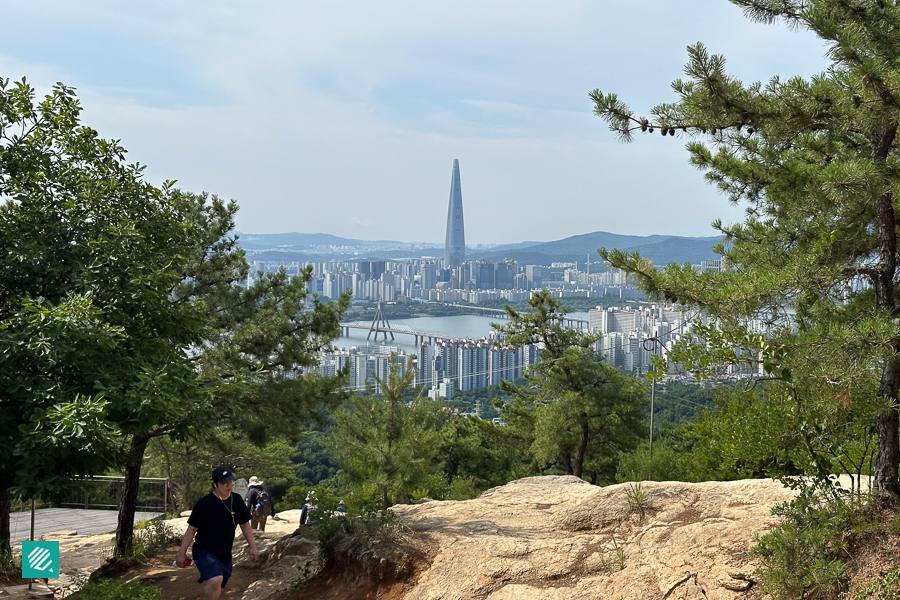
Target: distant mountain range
[661, 249]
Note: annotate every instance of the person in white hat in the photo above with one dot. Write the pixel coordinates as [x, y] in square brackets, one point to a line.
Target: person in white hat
[259, 501]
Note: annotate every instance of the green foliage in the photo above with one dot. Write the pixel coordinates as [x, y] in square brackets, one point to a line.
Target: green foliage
[92, 346]
[479, 454]
[386, 445]
[123, 312]
[375, 542]
[806, 555]
[157, 532]
[816, 257]
[316, 461]
[671, 461]
[637, 501]
[187, 464]
[577, 413]
[113, 589]
[150, 535]
[10, 565]
[303, 578]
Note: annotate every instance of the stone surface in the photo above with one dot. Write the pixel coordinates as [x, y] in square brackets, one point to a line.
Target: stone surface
[22, 592]
[560, 537]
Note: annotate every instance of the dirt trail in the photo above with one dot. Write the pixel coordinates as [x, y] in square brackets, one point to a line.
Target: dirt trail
[81, 555]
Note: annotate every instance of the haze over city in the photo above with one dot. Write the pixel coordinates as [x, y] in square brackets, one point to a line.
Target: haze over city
[345, 117]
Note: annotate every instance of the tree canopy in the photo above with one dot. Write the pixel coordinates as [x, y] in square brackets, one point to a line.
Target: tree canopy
[576, 412]
[124, 313]
[815, 162]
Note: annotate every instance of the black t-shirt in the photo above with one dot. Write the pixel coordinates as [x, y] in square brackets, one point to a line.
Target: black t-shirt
[216, 520]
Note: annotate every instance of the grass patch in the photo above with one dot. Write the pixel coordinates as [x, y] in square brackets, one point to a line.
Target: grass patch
[10, 566]
[112, 589]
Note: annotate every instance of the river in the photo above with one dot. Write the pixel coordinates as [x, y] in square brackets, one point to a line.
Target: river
[460, 326]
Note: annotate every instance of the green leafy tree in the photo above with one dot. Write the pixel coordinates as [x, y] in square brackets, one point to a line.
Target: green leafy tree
[249, 348]
[88, 255]
[815, 162]
[387, 443]
[185, 463]
[577, 411]
[123, 315]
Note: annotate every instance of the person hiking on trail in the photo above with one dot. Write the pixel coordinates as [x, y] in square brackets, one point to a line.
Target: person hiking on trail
[308, 508]
[214, 518]
[259, 502]
[341, 508]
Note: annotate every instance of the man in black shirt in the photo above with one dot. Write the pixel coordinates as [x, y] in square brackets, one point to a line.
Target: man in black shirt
[214, 519]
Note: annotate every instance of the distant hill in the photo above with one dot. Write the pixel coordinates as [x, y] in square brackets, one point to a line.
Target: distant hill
[661, 249]
[508, 247]
[293, 241]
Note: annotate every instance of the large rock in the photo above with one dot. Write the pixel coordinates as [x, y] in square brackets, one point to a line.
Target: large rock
[560, 537]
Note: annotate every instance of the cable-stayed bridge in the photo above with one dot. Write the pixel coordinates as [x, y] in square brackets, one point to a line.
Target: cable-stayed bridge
[381, 326]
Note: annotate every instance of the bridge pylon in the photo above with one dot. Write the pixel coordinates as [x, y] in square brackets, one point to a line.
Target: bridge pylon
[380, 325]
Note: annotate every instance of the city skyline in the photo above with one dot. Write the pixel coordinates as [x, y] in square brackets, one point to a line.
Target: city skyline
[342, 117]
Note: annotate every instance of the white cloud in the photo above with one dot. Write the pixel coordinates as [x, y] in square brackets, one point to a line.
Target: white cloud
[344, 117]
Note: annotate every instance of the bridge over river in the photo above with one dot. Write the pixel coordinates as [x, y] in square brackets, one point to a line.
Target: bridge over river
[381, 326]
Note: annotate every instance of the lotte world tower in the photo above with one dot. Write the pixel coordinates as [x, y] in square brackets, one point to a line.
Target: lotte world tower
[455, 243]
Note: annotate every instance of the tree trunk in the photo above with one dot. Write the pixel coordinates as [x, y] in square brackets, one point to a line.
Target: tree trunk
[887, 455]
[5, 507]
[581, 449]
[887, 428]
[567, 462]
[133, 461]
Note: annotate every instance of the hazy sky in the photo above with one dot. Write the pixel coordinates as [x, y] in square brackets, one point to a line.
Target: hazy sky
[345, 117]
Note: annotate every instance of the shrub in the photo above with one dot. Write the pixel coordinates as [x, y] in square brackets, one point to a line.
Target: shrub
[376, 543]
[149, 535]
[804, 556]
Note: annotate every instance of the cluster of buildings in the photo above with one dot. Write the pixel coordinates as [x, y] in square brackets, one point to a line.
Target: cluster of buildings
[472, 281]
[631, 335]
[445, 365]
[452, 278]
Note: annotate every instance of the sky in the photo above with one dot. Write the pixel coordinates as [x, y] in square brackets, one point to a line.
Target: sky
[345, 117]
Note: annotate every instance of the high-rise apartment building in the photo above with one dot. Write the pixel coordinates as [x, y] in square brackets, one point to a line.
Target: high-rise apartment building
[455, 242]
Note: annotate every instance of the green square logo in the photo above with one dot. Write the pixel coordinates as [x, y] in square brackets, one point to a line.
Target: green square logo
[40, 559]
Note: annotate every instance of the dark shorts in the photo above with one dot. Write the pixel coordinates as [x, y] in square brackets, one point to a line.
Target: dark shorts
[211, 566]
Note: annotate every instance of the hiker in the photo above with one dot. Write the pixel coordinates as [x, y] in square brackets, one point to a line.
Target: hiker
[310, 507]
[259, 502]
[214, 519]
[341, 508]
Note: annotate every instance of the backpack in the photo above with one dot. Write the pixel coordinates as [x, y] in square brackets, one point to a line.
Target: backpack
[263, 505]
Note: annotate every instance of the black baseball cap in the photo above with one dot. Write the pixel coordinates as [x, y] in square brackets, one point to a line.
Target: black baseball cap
[223, 474]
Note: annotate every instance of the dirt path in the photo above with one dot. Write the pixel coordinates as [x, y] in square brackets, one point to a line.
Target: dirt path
[81, 555]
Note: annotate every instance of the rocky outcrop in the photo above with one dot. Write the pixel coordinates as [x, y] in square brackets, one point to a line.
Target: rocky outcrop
[560, 537]
[545, 538]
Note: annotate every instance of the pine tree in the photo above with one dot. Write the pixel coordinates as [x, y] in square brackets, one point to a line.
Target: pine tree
[816, 164]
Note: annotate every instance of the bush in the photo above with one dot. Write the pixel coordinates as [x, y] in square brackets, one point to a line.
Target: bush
[149, 535]
[375, 543]
[804, 556]
[112, 589]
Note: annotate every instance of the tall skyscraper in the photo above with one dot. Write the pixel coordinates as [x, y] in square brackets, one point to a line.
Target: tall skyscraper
[455, 243]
